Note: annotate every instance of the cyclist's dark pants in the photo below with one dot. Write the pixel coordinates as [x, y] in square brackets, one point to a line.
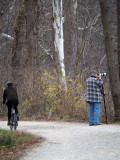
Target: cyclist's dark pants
[10, 103]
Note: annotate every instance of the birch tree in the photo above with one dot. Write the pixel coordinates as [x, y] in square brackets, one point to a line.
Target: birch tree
[58, 36]
[112, 67]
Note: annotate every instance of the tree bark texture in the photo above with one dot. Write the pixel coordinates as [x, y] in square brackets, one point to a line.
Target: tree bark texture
[70, 35]
[30, 41]
[17, 61]
[118, 33]
[112, 67]
[24, 49]
[58, 37]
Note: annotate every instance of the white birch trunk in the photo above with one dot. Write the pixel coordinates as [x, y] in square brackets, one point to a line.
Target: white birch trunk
[58, 33]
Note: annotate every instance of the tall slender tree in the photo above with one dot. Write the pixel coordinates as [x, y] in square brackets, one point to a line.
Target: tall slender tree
[30, 41]
[112, 67]
[58, 36]
[24, 48]
[118, 33]
[70, 35]
[17, 49]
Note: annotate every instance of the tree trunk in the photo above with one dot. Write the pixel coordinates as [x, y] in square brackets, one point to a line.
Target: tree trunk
[118, 33]
[31, 41]
[58, 37]
[24, 48]
[17, 60]
[70, 35]
[112, 67]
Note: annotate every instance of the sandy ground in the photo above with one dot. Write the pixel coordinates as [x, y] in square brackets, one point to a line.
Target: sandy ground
[72, 141]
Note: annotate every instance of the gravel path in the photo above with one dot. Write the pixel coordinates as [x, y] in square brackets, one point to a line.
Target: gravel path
[72, 141]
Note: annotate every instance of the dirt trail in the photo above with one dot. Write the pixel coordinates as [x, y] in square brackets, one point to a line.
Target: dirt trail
[72, 141]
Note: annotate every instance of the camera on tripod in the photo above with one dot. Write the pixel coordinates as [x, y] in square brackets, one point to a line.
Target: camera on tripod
[103, 74]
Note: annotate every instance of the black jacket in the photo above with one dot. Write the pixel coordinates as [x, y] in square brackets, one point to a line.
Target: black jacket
[10, 93]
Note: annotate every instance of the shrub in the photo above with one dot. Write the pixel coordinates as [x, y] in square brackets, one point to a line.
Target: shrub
[51, 96]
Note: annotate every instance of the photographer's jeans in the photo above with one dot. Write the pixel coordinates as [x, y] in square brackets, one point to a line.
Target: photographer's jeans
[94, 112]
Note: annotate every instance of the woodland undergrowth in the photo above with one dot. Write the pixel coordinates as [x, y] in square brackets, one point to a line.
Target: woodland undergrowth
[53, 99]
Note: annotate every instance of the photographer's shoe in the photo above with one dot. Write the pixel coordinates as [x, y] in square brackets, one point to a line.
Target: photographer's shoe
[98, 124]
[91, 124]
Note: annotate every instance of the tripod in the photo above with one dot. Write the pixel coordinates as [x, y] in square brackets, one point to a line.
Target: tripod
[104, 104]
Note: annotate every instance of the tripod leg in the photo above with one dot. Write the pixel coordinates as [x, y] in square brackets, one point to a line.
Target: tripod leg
[105, 109]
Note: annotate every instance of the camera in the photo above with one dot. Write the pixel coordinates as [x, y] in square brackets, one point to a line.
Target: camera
[102, 74]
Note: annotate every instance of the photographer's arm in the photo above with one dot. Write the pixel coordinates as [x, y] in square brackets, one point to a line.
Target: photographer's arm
[99, 82]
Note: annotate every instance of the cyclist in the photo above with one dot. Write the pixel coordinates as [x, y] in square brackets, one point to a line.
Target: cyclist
[10, 98]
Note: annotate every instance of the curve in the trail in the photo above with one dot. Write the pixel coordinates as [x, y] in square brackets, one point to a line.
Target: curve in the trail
[72, 141]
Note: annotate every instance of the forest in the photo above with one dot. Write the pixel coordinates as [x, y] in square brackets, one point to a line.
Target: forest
[48, 48]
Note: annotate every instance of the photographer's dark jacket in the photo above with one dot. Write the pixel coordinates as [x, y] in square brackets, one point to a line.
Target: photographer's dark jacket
[10, 94]
[93, 89]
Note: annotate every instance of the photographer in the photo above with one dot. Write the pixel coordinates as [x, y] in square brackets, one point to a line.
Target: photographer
[94, 97]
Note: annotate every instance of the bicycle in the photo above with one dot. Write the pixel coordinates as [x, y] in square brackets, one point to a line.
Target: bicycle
[13, 120]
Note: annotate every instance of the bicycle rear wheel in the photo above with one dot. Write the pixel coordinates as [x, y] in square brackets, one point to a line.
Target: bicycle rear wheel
[11, 121]
[11, 127]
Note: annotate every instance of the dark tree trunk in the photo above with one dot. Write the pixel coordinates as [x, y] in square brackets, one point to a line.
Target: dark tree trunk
[24, 49]
[118, 33]
[17, 50]
[31, 41]
[70, 36]
[112, 67]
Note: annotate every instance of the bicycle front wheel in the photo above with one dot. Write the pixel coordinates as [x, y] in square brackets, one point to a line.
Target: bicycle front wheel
[15, 121]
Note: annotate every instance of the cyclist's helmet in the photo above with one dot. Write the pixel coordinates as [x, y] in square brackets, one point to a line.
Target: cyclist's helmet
[9, 83]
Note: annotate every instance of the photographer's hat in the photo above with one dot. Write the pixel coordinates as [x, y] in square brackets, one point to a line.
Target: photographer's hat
[94, 72]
